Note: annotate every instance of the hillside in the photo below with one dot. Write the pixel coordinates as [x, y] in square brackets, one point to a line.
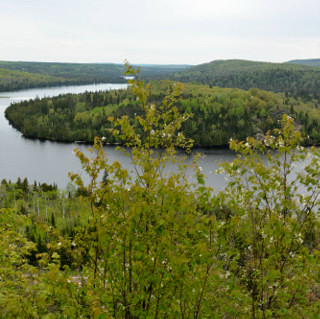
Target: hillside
[15, 80]
[299, 77]
[300, 80]
[218, 114]
[310, 62]
[32, 74]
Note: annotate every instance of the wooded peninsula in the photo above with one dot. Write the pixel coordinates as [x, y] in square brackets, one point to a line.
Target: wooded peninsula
[216, 114]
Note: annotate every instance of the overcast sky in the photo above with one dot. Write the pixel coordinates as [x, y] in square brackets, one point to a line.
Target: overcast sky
[159, 31]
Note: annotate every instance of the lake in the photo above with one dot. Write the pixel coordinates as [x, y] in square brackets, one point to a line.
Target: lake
[50, 162]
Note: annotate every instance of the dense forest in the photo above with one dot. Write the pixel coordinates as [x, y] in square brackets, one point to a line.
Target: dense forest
[217, 114]
[156, 246]
[22, 75]
[300, 80]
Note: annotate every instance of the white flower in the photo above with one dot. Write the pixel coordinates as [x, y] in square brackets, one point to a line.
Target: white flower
[281, 144]
[200, 168]
[224, 276]
[291, 254]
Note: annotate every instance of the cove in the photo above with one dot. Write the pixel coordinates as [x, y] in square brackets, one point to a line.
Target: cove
[50, 162]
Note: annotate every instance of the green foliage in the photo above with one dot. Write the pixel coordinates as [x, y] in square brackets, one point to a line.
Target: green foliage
[274, 209]
[149, 239]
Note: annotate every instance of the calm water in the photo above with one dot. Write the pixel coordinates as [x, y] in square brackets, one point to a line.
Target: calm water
[50, 162]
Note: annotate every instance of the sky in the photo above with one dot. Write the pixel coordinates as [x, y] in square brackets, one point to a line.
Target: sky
[159, 31]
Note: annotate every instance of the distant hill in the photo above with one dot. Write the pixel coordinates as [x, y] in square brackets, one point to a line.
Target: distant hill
[14, 80]
[295, 77]
[301, 80]
[49, 74]
[310, 62]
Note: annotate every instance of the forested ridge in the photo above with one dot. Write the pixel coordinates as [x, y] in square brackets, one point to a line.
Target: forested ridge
[299, 77]
[310, 62]
[217, 114]
[11, 80]
[300, 80]
[154, 245]
[23, 75]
